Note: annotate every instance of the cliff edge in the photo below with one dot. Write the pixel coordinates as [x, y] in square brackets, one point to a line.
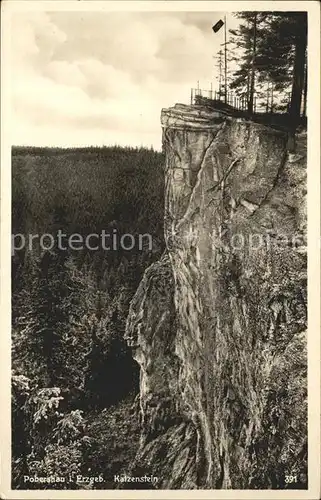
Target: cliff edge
[218, 325]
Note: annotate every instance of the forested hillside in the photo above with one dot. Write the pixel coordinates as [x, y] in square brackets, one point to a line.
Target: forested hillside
[74, 379]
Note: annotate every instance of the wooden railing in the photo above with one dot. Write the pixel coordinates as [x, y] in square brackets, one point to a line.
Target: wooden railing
[236, 102]
[238, 106]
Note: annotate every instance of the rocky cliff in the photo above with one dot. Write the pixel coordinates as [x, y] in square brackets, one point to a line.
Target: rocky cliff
[218, 325]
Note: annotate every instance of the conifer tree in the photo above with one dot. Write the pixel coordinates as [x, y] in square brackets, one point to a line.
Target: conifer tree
[272, 46]
[246, 40]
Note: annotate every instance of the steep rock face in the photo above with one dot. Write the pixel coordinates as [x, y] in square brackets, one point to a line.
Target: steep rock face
[167, 433]
[218, 325]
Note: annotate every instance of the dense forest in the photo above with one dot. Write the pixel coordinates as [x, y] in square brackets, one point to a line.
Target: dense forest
[74, 381]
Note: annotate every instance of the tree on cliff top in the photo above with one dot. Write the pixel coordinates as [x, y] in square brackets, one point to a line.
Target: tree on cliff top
[245, 39]
[273, 49]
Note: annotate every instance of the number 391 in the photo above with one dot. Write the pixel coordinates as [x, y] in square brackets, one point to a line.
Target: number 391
[291, 479]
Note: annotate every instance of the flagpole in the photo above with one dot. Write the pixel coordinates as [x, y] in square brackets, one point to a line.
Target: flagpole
[216, 28]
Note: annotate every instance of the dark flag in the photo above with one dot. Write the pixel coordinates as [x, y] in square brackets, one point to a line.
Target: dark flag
[218, 26]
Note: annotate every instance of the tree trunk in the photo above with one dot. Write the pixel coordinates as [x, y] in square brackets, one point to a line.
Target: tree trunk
[298, 77]
[305, 90]
[267, 97]
[297, 85]
[252, 81]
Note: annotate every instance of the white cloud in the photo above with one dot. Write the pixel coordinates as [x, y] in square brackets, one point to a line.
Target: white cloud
[65, 73]
[82, 78]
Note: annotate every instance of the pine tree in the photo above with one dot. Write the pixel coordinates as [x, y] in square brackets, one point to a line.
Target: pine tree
[254, 19]
[297, 24]
[50, 318]
[246, 40]
[49, 337]
[273, 48]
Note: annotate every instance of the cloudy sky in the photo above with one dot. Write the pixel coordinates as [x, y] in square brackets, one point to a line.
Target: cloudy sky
[93, 78]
